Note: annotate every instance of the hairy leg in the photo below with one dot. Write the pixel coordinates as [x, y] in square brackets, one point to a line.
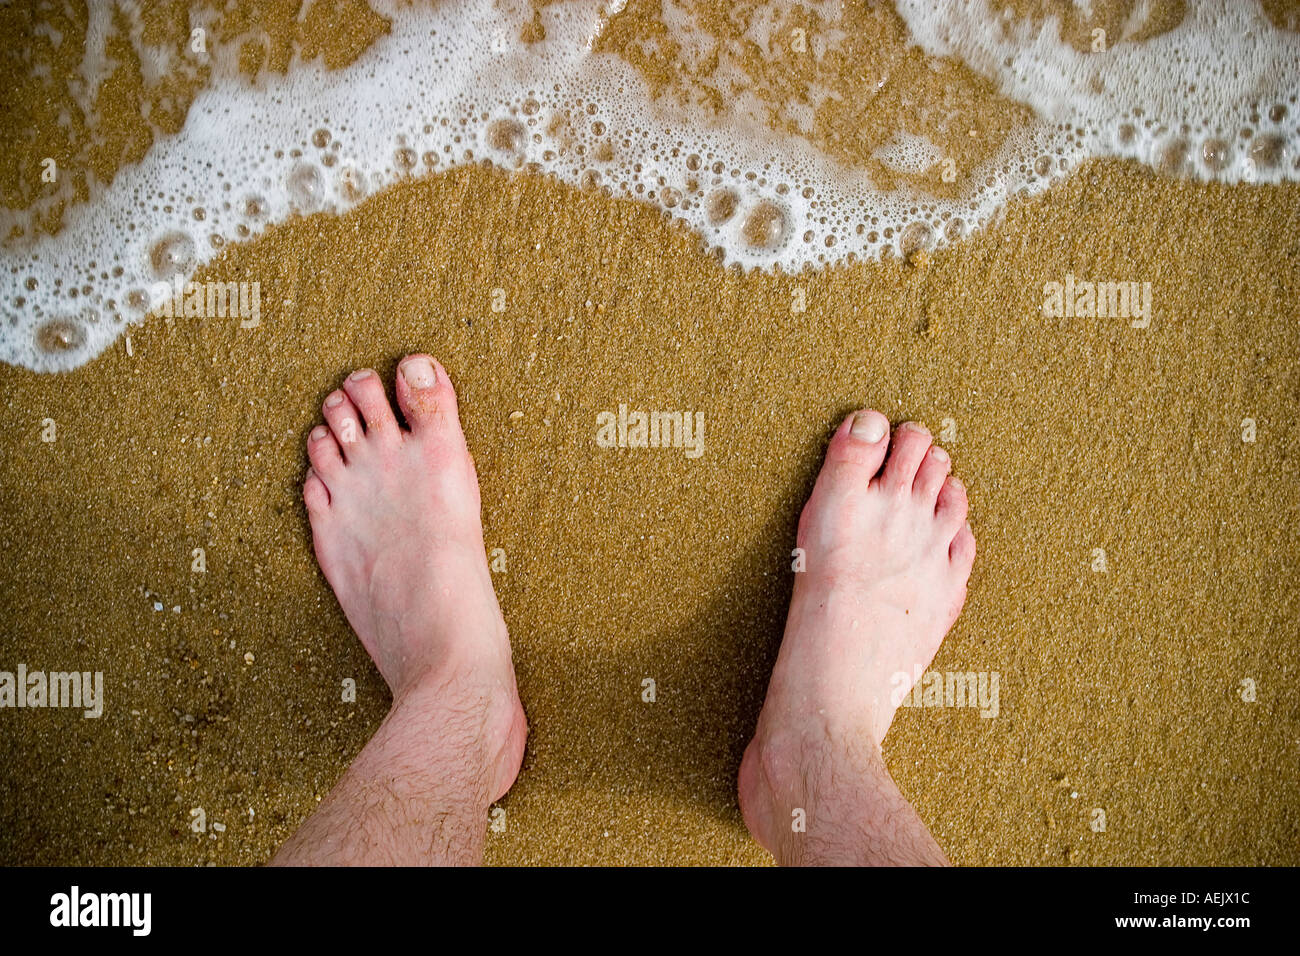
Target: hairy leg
[888, 555]
[396, 528]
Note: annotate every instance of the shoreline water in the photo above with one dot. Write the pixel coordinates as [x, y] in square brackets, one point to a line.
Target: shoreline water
[788, 136]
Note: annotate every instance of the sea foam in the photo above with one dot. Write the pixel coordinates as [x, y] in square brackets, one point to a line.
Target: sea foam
[1215, 97]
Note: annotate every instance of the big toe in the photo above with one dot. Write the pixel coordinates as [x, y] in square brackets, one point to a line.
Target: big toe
[425, 395]
[858, 447]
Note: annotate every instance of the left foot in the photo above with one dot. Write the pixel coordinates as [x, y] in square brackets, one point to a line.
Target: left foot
[395, 523]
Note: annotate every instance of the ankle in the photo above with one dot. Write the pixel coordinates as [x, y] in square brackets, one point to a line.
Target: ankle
[800, 789]
[472, 713]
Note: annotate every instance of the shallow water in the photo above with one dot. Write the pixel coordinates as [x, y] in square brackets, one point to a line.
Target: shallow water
[785, 135]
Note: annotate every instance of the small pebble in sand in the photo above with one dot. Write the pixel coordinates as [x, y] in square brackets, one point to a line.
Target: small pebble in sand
[248, 657]
[515, 416]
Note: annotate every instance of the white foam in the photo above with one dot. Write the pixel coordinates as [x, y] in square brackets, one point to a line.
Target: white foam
[425, 87]
[909, 153]
[1191, 92]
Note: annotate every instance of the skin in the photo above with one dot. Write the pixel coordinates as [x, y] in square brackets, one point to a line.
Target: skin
[395, 516]
[888, 556]
[396, 527]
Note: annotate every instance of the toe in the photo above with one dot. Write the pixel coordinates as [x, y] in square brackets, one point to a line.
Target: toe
[323, 451]
[950, 509]
[314, 494]
[856, 450]
[425, 394]
[344, 421]
[367, 393]
[860, 442]
[906, 452]
[929, 477]
[962, 550]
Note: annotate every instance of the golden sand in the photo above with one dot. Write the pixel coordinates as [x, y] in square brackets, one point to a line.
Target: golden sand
[1121, 690]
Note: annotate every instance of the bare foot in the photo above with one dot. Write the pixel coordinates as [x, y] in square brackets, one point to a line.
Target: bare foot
[888, 554]
[396, 527]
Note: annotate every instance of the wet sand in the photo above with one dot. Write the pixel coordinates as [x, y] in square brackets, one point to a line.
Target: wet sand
[1120, 690]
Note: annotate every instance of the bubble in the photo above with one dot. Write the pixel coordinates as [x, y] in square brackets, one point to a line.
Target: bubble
[589, 179]
[917, 237]
[670, 197]
[954, 229]
[306, 187]
[693, 162]
[765, 226]
[1043, 165]
[321, 138]
[172, 255]
[1171, 158]
[351, 184]
[254, 207]
[1216, 153]
[1277, 113]
[1266, 152]
[721, 205]
[531, 107]
[405, 158]
[505, 135]
[60, 335]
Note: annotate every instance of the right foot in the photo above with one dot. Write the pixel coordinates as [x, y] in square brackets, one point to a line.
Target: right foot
[888, 553]
[395, 523]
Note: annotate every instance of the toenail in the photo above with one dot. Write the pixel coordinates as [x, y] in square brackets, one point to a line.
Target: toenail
[914, 427]
[319, 432]
[335, 398]
[360, 374]
[938, 454]
[418, 372]
[869, 426]
[957, 483]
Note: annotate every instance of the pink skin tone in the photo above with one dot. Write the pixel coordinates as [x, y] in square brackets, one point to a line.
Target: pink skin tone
[395, 522]
[888, 556]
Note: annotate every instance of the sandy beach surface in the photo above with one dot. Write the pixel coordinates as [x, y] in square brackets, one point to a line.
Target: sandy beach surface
[1135, 589]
